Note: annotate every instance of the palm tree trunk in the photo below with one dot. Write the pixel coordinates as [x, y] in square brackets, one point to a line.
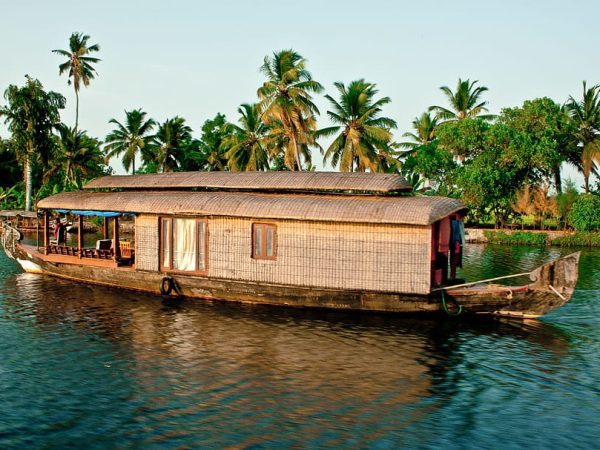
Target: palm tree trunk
[297, 155]
[133, 165]
[586, 183]
[27, 176]
[557, 180]
[76, 108]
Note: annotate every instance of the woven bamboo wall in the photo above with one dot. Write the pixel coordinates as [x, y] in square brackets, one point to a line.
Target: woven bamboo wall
[146, 243]
[346, 256]
[390, 258]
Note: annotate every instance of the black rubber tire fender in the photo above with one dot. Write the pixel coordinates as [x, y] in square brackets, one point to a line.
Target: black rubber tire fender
[166, 285]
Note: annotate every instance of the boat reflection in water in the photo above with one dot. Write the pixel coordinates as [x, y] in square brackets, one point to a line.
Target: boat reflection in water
[211, 373]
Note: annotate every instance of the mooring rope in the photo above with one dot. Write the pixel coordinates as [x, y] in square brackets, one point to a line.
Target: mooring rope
[445, 307]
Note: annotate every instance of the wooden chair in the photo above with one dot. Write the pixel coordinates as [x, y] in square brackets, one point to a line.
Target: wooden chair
[125, 247]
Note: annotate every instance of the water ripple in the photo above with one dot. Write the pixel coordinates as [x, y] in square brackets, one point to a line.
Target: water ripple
[92, 367]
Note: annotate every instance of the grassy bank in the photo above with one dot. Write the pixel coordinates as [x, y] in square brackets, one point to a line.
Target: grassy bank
[577, 239]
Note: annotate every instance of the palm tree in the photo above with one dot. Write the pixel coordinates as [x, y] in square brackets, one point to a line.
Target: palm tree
[286, 105]
[247, 146]
[362, 136]
[586, 118]
[129, 138]
[464, 102]
[169, 144]
[77, 157]
[425, 126]
[211, 151]
[78, 64]
[31, 115]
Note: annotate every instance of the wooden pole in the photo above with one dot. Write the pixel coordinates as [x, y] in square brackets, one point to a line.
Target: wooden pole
[116, 245]
[46, 232]
[105, 228]
[447, 288]
[80, 237]
[37, 231]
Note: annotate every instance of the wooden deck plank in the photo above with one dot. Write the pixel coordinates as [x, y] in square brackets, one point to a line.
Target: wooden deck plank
[74, 259]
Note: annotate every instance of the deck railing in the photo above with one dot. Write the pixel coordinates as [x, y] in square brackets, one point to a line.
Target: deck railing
[93, 253]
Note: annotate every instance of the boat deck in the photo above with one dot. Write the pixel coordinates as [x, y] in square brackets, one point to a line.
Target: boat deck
[75, 259]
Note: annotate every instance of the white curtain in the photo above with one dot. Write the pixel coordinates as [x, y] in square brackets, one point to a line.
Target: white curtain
[167, 243]
[184, 244]
[201, 246]
[258, 240]
[269, 241]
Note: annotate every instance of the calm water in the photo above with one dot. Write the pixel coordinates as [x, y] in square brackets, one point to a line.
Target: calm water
[90, 367]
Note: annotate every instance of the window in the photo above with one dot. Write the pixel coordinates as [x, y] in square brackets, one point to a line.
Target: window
[264, 241]
[183, 245]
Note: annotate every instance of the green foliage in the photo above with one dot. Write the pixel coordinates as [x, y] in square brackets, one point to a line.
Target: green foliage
[10, 173]
[148, 167]
[585, 213]
[278, 163]
[192, 159]
[79, 64]
[433, 164]
[51, 187]
[550, 132]
[129, 138]
[465, 139]
[248, 145]
[464, 102]
[12, 197]
[169, 144]
[287, 108]
[98, 221]
[425, 127]
[214, 133]
[31, 115]
[525, 145]
[579, 239]
[585, 116]
[361, 135]
[489, 181]
[516, 238]
[565, 201]
[77, 158]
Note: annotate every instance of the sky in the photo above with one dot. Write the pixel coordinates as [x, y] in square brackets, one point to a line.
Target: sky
[196, 58]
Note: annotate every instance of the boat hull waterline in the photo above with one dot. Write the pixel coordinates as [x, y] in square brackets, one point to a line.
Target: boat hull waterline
[552, 286]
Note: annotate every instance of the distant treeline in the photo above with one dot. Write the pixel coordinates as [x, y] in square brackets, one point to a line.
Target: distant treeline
[503, 167]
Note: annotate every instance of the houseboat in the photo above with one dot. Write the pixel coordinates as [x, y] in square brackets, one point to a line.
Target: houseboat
[353, 241]
[22, 220]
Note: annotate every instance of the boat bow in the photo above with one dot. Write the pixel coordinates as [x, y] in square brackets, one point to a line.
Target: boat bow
[559, 276]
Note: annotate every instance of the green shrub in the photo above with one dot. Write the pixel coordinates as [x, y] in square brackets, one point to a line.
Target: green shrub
[565, 201]
[580, 239]
[516, 238]
[585, 214]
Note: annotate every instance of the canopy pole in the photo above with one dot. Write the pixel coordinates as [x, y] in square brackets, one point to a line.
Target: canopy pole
[37, 231]
[105, 228]
[116, 243]
[46, 232]
[80, 237]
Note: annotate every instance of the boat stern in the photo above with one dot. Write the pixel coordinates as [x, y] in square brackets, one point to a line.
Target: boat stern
[558, 277]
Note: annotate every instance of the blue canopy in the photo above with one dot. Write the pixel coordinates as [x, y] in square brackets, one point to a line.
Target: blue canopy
[92, 213]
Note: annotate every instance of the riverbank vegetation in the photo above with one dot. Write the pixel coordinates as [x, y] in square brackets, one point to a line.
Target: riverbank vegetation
[506, 168]
[538, 238]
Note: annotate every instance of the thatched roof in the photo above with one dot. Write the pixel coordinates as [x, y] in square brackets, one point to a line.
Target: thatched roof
[13, 213]
[258, 181]
[419, 210]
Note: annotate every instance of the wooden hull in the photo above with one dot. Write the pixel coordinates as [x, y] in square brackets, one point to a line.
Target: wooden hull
[527, 301]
